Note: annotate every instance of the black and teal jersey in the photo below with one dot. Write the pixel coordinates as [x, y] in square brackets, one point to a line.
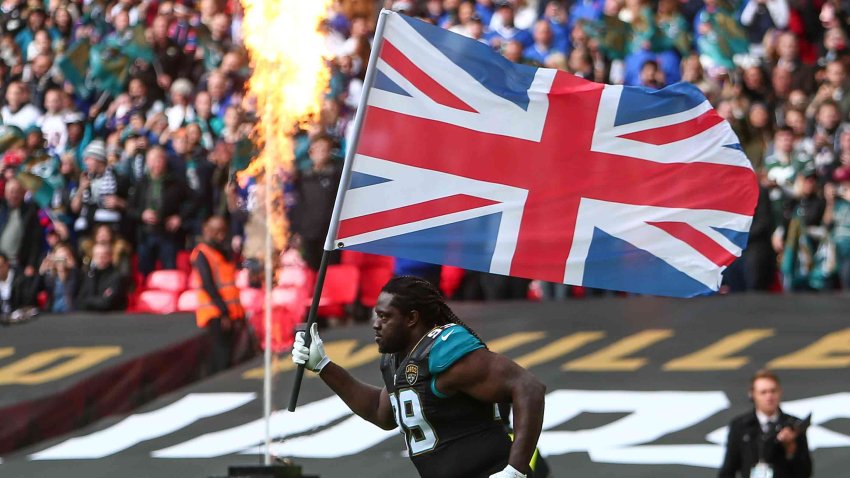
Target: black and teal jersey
[447, 436]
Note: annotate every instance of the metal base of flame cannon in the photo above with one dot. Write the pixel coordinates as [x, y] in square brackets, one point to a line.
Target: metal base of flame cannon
[284, 470]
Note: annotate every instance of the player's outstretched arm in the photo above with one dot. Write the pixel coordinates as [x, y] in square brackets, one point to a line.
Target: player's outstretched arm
[491, 377]
[369, 402]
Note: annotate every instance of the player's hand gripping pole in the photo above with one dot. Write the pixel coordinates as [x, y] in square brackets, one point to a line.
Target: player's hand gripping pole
[308, 338]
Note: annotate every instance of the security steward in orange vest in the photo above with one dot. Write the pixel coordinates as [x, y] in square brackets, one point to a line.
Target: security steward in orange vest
[219, 309]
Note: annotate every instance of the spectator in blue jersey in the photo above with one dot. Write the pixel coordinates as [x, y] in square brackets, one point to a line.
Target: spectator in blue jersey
[585, 10]
[449, 383]
[485, 10]
[506, 31]
[544, 43]
[555, 14]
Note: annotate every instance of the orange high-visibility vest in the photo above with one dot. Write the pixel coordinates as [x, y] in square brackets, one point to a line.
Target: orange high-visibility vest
[224, 276]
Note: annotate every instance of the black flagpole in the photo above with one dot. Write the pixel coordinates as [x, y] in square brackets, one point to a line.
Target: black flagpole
[311, 319]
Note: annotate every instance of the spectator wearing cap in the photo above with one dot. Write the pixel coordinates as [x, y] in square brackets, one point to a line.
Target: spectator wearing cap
[837, 218]
[96, 200]
[79, 134]
[18, 111]
[160, 204]
[20, 230]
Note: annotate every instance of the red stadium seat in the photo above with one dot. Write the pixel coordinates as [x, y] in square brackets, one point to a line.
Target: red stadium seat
[372, 279]
[340, 289]
[188, 301]
[170, 280]
[157, 302]
[184, 262]
[450, 279]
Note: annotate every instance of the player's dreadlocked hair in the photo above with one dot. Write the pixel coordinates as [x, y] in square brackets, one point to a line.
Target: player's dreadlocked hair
[413, 293]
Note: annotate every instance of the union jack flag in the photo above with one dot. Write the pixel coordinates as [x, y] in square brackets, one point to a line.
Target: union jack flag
[470, 160]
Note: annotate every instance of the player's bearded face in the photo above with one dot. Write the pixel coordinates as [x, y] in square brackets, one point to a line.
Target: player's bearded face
[388, 324]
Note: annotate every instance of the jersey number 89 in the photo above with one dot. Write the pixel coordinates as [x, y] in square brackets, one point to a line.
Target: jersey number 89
[418, 432]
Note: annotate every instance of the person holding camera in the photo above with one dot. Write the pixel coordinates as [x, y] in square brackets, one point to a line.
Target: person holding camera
[766, 442]
[58, 273]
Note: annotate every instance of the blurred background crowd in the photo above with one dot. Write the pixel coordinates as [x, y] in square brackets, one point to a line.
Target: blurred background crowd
[125, 123]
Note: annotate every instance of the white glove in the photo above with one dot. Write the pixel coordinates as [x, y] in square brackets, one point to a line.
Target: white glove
[313, 358]
[508, 472]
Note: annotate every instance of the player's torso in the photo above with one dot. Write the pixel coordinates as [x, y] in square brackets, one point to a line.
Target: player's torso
[446, 436]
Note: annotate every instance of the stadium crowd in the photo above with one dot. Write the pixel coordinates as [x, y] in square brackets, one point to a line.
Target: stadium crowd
[124, 123]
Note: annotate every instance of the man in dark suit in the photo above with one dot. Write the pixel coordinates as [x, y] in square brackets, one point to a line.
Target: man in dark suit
[766, 442]
[103, 287]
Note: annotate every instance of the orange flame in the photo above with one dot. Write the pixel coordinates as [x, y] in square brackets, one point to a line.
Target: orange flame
[289, 78]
